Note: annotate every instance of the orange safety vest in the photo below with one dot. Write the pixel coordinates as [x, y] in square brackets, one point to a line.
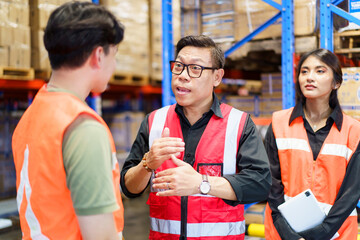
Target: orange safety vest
[207, 216]
[44, 202]
[324, 176]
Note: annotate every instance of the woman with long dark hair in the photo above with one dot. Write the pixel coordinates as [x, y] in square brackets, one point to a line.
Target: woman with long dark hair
[314, 145]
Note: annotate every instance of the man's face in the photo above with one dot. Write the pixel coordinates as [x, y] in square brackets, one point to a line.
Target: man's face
[193, 92]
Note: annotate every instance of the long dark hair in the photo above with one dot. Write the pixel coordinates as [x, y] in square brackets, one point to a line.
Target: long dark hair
[331, 60]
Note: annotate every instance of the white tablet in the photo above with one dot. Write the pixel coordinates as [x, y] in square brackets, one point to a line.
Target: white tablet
[302, 212]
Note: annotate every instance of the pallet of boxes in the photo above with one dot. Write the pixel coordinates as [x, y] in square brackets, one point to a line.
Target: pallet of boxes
[132, 58]
[15, 40]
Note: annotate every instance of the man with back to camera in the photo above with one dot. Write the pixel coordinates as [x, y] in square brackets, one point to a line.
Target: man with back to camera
[65, 157]
[202, 158]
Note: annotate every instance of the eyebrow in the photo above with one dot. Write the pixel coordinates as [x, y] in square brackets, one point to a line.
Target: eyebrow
[317, 67]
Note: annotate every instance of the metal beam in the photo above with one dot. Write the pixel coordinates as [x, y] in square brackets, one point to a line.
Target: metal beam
[168, 52]
[287, 59]
[326, 25]
[252, 35]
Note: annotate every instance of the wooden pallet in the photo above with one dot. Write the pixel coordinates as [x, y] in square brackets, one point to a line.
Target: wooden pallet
[347, 42]
[129, 79]
[14, 73]
[43, 74]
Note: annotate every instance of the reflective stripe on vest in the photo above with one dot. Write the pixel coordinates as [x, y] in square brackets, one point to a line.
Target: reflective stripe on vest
[231, 143]
[25, 187]
[301, 144]
[292, 143]
[156, 129]
[337, 150]
[198, 229]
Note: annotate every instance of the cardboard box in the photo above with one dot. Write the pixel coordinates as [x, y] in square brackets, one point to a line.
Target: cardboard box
[271, 83]
[6, 35]
[4, 56]
[220, 27]
[190, 4]
[191, 23]
[250, 18]
[19, 14]
[21, 35]
[249, 104]
[19, 56]
[255, 214]
[349, 92]
[39, 15]
[214, 6]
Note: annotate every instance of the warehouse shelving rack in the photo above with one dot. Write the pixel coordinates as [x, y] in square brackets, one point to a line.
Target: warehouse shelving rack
[286, 12]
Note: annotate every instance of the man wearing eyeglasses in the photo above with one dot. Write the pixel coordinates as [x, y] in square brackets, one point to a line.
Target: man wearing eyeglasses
[202, 158]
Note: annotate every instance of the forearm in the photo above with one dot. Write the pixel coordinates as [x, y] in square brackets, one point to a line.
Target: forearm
[137, 179]
[221, 188]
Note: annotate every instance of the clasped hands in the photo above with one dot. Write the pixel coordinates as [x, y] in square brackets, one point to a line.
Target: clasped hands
[182, 180]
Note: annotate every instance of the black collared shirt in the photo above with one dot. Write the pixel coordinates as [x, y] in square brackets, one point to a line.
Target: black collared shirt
[348, 194]
[251, 184]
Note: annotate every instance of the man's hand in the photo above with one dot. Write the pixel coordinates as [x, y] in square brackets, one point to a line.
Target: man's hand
[182, 180]
[163, 148]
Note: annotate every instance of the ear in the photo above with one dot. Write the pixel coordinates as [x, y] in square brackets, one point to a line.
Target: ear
[337, 85]
[96, 57]
[218, 77]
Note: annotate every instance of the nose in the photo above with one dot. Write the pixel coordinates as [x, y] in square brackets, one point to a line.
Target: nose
[310, 76]
[185, 74]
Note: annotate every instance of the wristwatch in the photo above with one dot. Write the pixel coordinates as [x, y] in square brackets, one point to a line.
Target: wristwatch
[145, 164]
[205, 185]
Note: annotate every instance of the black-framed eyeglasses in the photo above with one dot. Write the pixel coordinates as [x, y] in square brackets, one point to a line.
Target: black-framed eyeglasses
[193, 70]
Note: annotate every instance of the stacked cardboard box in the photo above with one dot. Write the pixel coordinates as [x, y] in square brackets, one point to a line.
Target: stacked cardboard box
[133, 54]
[248, 104]
[191, 17]
[156, 35]
[271, 94]
[40, 11]
[218, 20]
[14, 34]
[349, 92]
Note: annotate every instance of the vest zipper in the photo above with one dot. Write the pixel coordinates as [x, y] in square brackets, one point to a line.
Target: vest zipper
[183, 230]
[313, 175]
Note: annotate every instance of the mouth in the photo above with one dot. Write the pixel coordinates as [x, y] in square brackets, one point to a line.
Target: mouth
[182, 90]
[309, 87]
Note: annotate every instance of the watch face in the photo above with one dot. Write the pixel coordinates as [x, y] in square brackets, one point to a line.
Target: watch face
[205, 187]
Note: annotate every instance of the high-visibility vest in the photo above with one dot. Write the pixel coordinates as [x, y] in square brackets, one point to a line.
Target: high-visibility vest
[44, 202]
[207, 216]
[324, 176]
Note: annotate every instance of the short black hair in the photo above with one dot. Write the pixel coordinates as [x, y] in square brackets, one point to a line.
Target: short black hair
[331, 60]
[75, 29]
[202, 41]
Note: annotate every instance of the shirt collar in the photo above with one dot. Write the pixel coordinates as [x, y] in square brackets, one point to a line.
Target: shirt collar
[336, 115]
[215, 107]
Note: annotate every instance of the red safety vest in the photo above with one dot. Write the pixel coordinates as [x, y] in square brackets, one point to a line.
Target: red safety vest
[324, 176]
[208, 217]
[44, 202]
